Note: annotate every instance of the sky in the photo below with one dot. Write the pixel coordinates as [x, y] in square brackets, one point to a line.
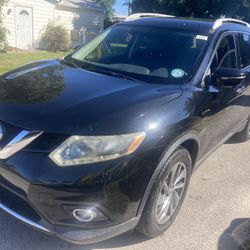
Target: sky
[120, 9]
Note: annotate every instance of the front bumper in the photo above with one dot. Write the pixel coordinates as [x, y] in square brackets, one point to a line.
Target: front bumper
[37, 192]
[72, 235]
[24, 219]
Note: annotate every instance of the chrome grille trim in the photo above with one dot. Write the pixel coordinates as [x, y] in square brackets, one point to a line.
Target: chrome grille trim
[18, 142]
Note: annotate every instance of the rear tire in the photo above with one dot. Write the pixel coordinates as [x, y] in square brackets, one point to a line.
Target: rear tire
[167, 194]
[244, 135]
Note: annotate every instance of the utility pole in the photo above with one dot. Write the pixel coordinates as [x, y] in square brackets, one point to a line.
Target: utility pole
[129, 7]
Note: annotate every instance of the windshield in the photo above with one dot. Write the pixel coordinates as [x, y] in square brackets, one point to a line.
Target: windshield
[144, 53]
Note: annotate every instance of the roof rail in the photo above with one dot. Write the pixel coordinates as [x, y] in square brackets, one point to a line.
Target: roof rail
[222, 21]
[141, 15]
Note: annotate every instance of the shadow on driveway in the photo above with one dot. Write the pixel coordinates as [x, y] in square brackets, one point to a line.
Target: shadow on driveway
[236, 237]
[20, 239]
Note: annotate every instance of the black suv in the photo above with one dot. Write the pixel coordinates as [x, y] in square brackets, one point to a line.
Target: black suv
[106, 139]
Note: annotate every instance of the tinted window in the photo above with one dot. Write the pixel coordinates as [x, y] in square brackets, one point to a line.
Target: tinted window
[143, 52]
[225, 55]
[244, 43]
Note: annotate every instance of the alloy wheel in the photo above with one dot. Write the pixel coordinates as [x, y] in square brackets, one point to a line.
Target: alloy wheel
[171, 193]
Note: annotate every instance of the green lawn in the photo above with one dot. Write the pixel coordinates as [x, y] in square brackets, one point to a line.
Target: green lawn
[12, 60]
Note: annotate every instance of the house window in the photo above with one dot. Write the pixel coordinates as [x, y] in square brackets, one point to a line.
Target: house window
[24, 13]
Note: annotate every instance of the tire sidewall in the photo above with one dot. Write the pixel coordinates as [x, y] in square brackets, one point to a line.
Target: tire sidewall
[153, 228]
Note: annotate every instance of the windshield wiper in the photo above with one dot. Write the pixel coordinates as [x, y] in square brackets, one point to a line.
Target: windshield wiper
[103, 71]
[69, 63]
[115, 74]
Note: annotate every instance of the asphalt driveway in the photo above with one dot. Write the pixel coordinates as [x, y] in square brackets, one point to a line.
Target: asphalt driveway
[218, 199]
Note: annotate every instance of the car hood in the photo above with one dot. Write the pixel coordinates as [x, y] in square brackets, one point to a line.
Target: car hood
[52, 97]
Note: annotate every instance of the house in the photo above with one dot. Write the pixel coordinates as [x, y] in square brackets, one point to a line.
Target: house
[25, 20]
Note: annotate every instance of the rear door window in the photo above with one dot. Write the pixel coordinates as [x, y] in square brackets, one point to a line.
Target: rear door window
[244, 47]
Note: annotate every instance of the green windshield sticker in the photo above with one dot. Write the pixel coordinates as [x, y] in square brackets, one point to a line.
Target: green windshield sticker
[177, 73]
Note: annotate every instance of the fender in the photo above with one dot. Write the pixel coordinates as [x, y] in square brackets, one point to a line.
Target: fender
[168, 152]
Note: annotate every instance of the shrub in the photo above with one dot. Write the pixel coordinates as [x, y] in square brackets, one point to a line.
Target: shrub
[55, 38]
[3, 41]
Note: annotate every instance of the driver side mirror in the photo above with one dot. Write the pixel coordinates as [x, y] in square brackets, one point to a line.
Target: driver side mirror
[228, 77]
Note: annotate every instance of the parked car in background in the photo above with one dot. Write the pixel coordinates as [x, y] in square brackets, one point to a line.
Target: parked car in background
[106, 140]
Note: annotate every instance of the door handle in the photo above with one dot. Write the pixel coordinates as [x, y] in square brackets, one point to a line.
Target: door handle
[240, 90]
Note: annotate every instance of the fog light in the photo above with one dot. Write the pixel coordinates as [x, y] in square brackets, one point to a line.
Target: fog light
[84, 215]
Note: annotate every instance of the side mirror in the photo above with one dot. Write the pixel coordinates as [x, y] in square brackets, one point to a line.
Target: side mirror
[77, 46]
[228, 77]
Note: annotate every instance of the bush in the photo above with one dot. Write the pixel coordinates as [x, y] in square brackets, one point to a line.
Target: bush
[3, 41]
[55, 38]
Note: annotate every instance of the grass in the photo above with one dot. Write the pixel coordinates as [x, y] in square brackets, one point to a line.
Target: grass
[12, 60]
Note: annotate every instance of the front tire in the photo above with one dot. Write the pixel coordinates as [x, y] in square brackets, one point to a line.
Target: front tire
[167, 194]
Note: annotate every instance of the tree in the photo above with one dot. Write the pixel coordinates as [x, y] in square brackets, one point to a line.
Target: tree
[128, 3]
[3, 41]
[108, 4]
[193, 8]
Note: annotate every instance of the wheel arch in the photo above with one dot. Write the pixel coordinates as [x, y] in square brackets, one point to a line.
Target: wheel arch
[191, 142]
[192, 146]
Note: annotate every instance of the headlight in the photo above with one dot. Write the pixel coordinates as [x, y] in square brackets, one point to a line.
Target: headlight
[79, 150]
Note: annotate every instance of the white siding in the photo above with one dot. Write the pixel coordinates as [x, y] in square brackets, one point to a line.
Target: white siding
[9, 23]
[43, 12]
[87, 22]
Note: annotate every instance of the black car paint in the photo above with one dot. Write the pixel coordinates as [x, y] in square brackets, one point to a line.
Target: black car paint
[84, 102]
[62, 101]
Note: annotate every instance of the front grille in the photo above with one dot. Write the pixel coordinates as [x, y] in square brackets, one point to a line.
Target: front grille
[9, 132]
[46, 142]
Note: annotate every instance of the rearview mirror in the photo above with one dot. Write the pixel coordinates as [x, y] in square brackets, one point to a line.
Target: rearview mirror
[228, 77]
